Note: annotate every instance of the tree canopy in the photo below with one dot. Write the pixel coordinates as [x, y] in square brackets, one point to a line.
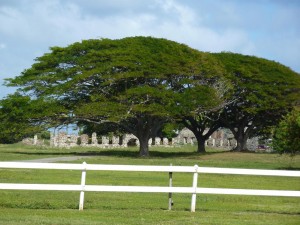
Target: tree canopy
[138, 82]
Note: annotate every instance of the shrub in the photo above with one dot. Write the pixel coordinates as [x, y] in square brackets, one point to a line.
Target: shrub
[286, 137]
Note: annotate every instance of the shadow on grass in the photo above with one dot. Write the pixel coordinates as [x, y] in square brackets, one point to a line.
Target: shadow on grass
[115, 153]
[289, 168]
[121, 153]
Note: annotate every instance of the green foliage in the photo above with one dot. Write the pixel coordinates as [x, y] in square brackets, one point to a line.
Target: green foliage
[14, 123]
[169, 130]
[286, 138]
[102, 129]
[261, 85]
[22, 117]
[44, 135]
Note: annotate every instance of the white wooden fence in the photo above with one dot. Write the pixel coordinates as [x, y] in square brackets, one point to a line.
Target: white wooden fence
[153, 189]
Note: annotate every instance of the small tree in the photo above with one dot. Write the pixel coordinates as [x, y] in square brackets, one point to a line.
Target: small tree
[286, 137]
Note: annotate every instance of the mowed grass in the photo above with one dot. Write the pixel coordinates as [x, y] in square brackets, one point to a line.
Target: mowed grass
[61, 207]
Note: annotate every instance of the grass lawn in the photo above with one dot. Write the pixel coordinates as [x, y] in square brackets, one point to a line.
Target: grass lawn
[61, 207]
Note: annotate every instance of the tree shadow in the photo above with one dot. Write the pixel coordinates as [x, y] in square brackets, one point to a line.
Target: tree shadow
[86, 153]
[120, 153]
[289, 168]
[132, 152]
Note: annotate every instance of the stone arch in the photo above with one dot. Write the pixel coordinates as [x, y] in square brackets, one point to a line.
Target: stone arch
[132, 142]
[130, 139]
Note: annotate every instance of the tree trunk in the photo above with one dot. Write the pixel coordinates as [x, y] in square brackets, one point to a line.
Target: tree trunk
[144, 127]
[144, 148]
[198, 129]
[241, 139]
[242, 130]
[201, 144]
[241, 144]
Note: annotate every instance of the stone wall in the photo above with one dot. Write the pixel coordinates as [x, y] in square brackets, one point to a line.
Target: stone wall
[33, 141]
[219, 139]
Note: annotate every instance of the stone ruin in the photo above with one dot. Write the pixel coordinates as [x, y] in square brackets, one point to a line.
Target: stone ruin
[62, 140]
[94, 139]
[220, 139]
[84, 140]
[33, 141]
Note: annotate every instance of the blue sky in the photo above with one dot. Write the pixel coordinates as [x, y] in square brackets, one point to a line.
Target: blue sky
[265, 28]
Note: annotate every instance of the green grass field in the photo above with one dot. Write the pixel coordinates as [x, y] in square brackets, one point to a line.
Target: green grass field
[61, 207]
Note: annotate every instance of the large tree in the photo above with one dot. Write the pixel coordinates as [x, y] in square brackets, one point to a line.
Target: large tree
[204, 121]
[263, 91]
[126, 81]
[203, 126]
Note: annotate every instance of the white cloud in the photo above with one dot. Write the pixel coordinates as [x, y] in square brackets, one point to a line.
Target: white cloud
[57, 23]
[263, 28]
[185, 14]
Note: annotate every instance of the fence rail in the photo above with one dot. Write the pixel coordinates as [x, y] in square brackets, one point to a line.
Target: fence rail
[149, 189]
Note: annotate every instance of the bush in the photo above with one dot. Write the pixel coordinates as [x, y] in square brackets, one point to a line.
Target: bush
[44, 135]
[286, 137]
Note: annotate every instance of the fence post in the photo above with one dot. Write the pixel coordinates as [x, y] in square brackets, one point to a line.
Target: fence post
[83, 175]
[170, 193]
[195, 181]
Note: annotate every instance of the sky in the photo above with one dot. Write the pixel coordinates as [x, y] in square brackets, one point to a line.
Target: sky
[265, 28]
